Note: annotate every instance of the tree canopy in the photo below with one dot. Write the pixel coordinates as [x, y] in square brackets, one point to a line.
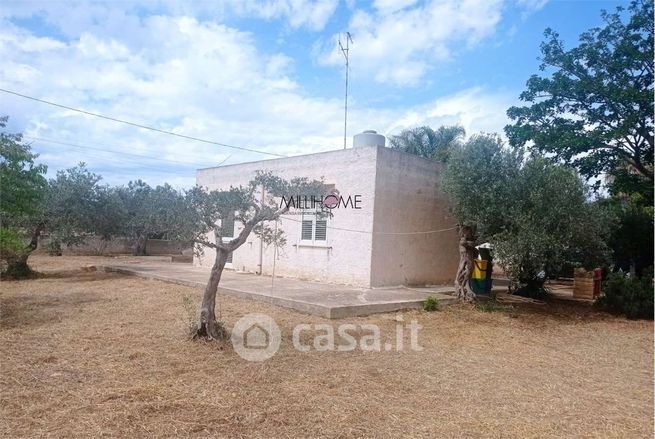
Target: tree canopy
[595, 111]
[23, 182]
[427, 142]
[535, 213]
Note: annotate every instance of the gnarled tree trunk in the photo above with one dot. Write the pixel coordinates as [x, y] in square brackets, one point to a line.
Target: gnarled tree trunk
[17, 267]
[467, 252]
[207, 327]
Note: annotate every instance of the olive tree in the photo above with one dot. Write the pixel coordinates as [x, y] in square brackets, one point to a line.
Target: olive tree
[65, 209]
[537, 214]
[23, 185]
[148, 212]
[209, 213]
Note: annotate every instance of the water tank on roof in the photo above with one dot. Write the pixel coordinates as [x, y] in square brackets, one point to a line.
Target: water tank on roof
[368, 138]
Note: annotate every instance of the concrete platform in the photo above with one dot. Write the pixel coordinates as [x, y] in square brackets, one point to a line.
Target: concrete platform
[325, 300]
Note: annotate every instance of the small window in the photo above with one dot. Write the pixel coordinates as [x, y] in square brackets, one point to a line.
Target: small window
[314, 228]
[229, 258]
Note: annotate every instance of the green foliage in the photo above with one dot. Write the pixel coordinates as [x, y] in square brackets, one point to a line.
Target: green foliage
[65, 207]
[480, 178]
[596, 109]
[628, 295]
[54, 248]
[69, 205]
[22, 181]
[534, 212]
[11, 242]
[431, 304]
[631, 237]
[140, 211]
[426, 142]
[208, 210]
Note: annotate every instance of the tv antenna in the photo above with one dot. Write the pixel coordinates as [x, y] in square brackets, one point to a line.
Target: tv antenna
[345, 51]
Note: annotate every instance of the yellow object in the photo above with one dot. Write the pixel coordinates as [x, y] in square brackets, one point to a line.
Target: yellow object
[479, 269]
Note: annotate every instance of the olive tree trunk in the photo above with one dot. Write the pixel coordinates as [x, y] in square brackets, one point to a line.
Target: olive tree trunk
[17, 267]
[207, 327]
[467, 252]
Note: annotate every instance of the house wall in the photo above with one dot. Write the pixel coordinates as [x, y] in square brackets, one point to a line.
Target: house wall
[346, 256]
[408, 198]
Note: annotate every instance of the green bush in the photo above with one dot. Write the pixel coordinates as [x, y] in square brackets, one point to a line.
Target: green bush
[54, 248]
[431, 304]
[11, 243]
[627, 295]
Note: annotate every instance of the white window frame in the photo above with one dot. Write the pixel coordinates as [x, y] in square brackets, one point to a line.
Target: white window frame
[312, 215]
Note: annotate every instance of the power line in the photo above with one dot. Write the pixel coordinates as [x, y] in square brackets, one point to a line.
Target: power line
[139, 125]
[59, 142]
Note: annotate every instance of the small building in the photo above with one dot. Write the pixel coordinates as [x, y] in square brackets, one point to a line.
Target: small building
[392, 226]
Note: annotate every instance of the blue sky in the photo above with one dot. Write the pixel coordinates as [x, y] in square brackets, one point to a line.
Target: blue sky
[261, 74]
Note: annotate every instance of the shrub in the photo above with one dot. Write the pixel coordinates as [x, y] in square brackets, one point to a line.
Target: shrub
[431, 304]
[54, 248]
[628, 295]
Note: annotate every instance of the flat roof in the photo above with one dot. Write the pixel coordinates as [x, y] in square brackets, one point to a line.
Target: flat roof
[333, 151]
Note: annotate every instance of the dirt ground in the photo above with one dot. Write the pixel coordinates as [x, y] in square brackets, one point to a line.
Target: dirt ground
[92, 354]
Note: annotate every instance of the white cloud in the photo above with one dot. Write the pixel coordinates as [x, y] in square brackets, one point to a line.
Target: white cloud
[299, 13]
[475, 109]
[400, 42]
[199, 78]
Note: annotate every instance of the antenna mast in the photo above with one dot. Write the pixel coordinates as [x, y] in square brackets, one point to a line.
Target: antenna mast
[345, 50]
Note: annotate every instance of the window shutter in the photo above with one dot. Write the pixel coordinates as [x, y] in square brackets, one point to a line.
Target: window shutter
[306, 233]
[321, 230]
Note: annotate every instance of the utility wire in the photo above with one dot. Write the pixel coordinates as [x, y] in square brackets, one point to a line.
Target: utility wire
[59, 142]
[139, 125]
[117, 161]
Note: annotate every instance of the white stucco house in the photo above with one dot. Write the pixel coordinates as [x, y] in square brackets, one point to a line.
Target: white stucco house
[373, 245]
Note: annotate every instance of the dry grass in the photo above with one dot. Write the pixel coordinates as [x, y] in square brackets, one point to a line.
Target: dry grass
[93, 354]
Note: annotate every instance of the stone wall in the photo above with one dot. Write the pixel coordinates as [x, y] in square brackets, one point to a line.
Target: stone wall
[94, 245]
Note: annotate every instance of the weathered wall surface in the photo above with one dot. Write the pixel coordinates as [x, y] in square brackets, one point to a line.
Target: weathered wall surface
[155, 247]
[345, 257]
[93, 245]
[409, 198]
